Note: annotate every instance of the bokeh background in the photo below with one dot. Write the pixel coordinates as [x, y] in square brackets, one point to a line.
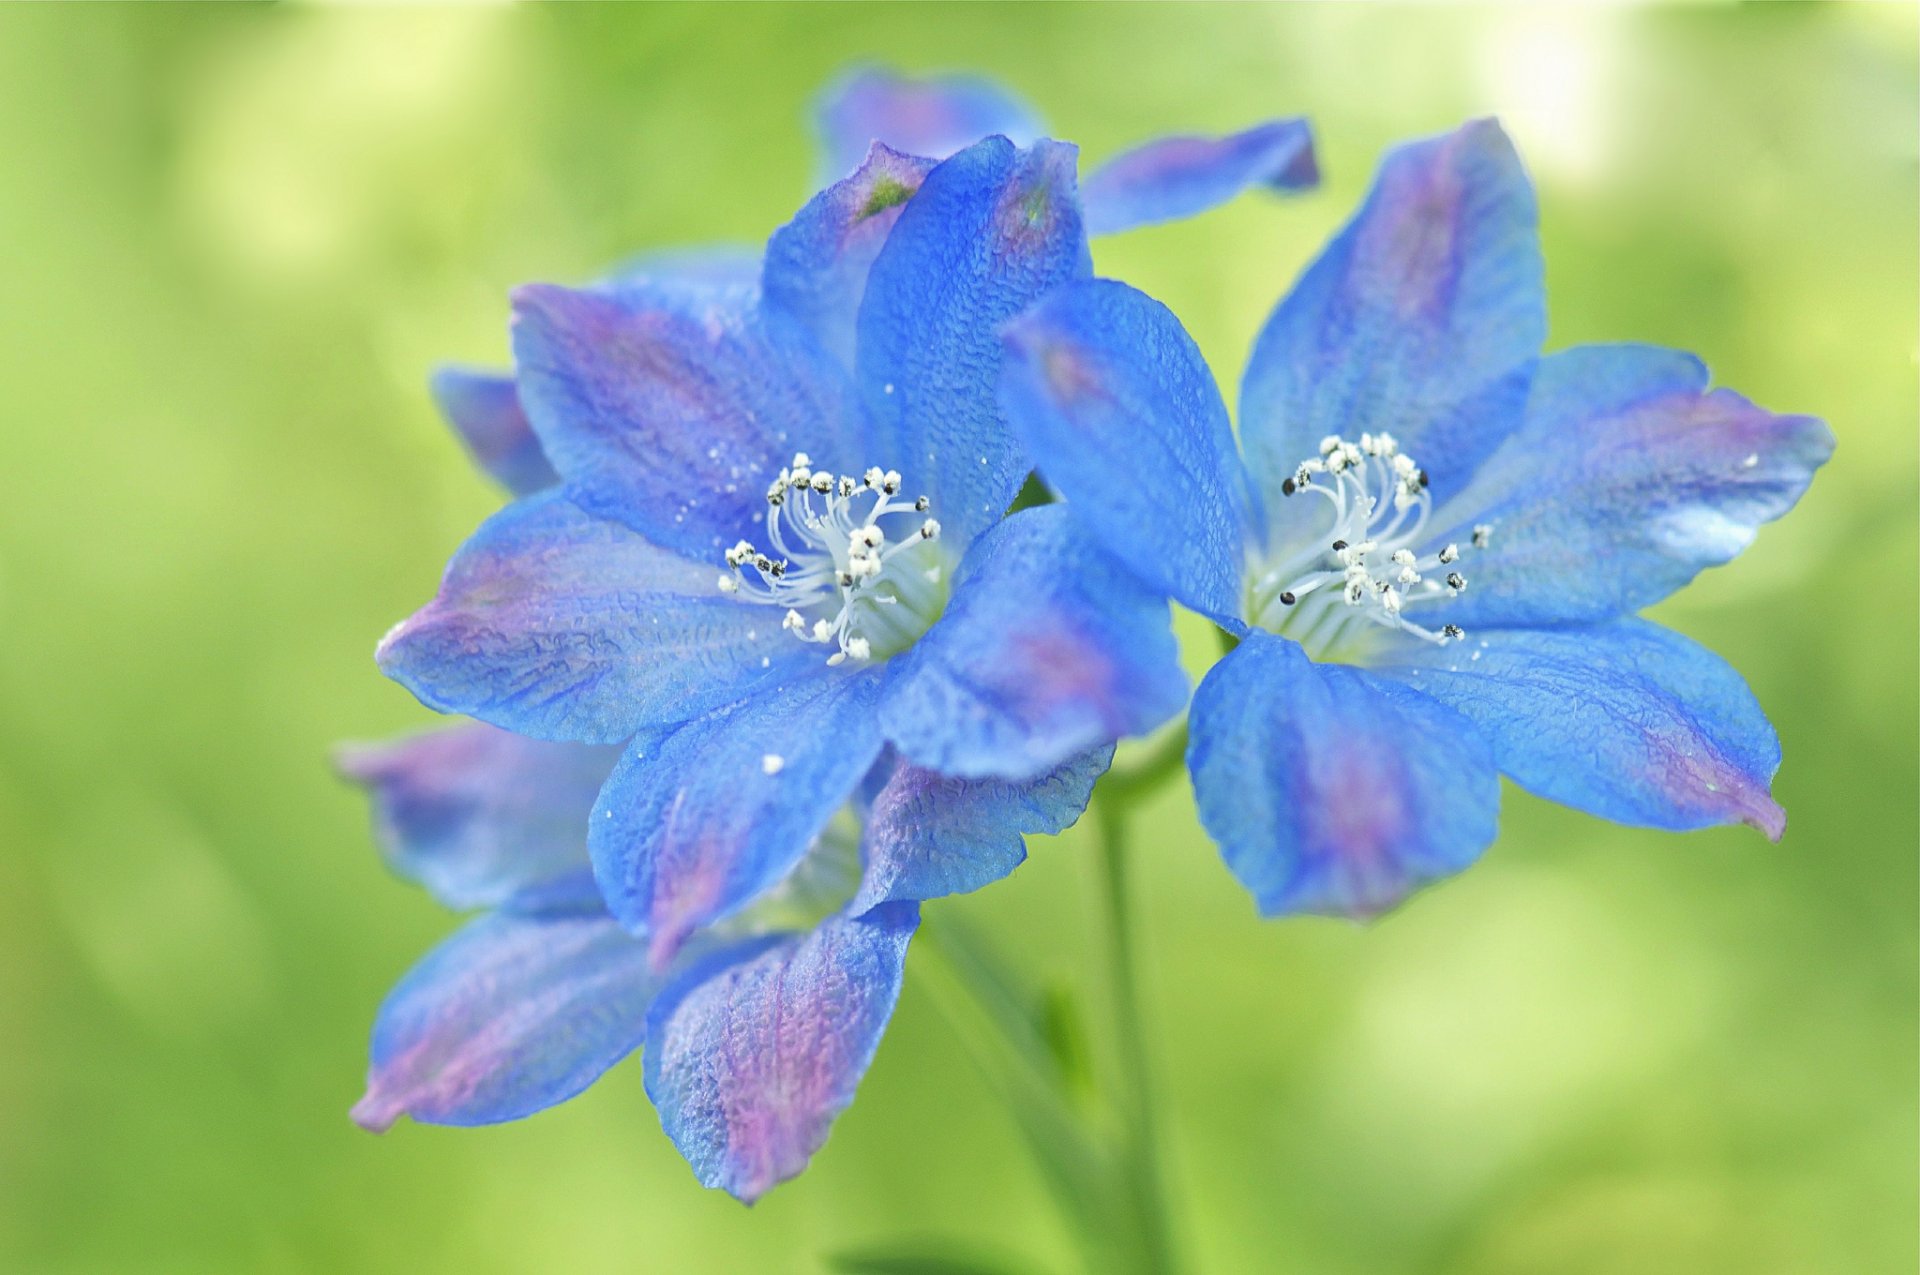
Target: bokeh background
[236, 239]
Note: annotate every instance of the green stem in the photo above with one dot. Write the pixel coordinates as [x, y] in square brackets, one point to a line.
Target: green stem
[1133, 1090]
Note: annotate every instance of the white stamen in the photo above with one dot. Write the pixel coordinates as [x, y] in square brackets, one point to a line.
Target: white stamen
[1372, 553]
[828, 559]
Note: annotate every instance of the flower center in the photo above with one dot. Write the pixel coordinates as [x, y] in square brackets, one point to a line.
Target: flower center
[853, 564]
[1366, 567]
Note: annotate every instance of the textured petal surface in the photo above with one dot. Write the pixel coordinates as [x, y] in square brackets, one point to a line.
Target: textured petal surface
[817, 264]
[1174, 177]
[1117, 407]
[1050, 647]
[751, 1055]
[1420, 319]
[930, 835]
[699, 819]
[933, 115]
[1331, 790]
[484, 409]
[560, 625]
[991, 230]
[509, 1016]
[481, 816]
[670, 406]
[1628, 478]
[1628, 721]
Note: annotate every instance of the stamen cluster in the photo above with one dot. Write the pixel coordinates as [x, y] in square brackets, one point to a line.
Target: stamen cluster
[827, 561]
[1369, 557]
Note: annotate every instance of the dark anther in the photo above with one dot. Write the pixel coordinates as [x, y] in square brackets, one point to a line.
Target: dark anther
[1338, 545]
[1455, 580]
[1287, 599]
[1423, 478]
[1453, 631]
[1286, 488]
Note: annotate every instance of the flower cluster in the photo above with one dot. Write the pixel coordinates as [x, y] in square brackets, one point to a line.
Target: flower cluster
[761, 661]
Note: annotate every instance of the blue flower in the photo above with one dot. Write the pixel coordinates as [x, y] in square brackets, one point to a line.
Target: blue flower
[1431, 541]
[532, 1001]
[777, 547]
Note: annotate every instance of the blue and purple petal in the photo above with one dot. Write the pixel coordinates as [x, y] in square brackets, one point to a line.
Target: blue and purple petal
[929, 835]
[698, 820]
[1332, 790]
[1174, 177]
[511, 1015]
[1120, 412]
[484, 409]
[1421, 319]
[1050, 647]
[751, 1054]
[1628, 478]
[1627, 721]
[559, 625]
[990, 231]
[670, 406]
[482, 817]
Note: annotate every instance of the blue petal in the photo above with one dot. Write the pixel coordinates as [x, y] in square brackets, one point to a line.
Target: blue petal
[1116, 405]
[817, 264]
[670, 406]
[991, 230]
[930, 834]
[559, 625]
[508, 1017]
[699, 819]
[1628, 721]
[1628, 477]
[1331, 790]
[484, 409]
[1421, 319]
[932, 115]
[752, 1054]
[1174, 177]
[1050, 647]
[481, 816]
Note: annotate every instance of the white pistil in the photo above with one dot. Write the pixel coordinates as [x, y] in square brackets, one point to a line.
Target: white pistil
[828, 557]
[1371, 552]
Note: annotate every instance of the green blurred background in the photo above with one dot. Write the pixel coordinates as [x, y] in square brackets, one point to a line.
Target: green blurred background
[235, 241]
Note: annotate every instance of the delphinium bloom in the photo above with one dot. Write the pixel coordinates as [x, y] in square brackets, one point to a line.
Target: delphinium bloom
[776, 570]
[1430, 543]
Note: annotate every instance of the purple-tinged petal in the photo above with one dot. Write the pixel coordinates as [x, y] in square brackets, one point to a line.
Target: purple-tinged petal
[817, 264]
[933, 115]
[1174, 177]
[1050, 647]
[1628, 478]
[752, 1054]
[483, 817]
[1332, 790]
[1421, 319]
[699, 819]
[930, 834]
[560, 625]
[511, 1015]
[1628, 721]
[991, 231]
[484, 409]
[669, 406]
[1116, 406]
